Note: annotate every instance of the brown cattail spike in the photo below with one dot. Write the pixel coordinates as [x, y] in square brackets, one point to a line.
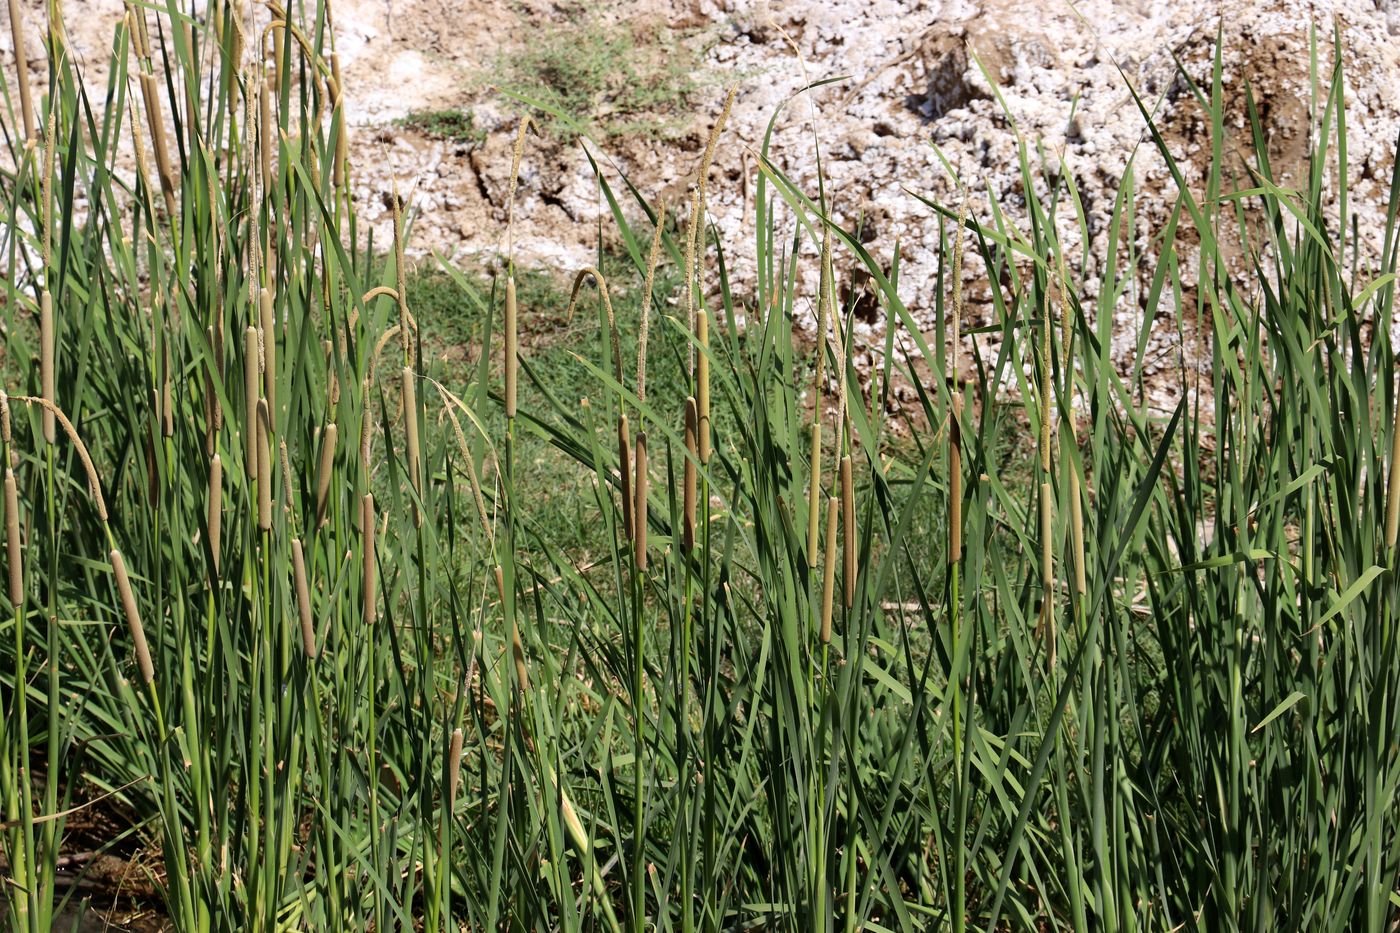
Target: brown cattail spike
[213, 408]
[848, 528]
[371, 568]
[264, 468]
[133, 618]
[167, 400]
[454, 766]
[692, 453]
[342, 132]
[332, 381]
[366, 430]
[410, 413]
[26, 98]
[702, 382]
[639, 509]
[46, 362]
[94, 481]
[624, 458]
[12, 546]
[511, 347]
[323, 474]
[308, 629]
[216, 509]
[833, 506]
[1076, 525]
[250, 401]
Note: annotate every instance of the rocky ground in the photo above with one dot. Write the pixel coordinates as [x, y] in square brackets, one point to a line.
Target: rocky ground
[918, 100]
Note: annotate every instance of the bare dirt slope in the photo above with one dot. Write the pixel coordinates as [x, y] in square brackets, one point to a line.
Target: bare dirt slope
[915, 89]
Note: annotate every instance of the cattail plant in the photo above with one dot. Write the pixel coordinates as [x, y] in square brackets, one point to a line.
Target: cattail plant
[848, 528]
[269, 348]
[26, 97]
[342, 131]
[12, 542]
[1047, 565]
[13, 554]
[215, 519]
[264, 475]
[332, 381]
[329, 436]
[410, 411]
[133, 617]
[814, 490]
[702, 383]
[624, 458]
[692, 420]
[1392, 507]
[308, 628]
[955, 482]
[511, 337]
[371, 569]
[639, 510]
[150, 96]
[84, 457]
[250, 401]
[46, 362]
[833, 506]
[213, 408]
[512, 348]
[266, 128]
[644, 329]
[454, 766]
[1076, 506]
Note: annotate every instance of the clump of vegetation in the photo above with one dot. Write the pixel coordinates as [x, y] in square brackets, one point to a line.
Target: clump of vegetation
[323, 624]
[602, 78]
[452, 125]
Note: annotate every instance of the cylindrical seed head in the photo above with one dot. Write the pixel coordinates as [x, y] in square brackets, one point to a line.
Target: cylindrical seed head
[213, 408]
[250, 401]
[371, 568]
[332, 381]
[264, 468]
[133, 618]
[323, 474]
[454, 766]
[12, 545]
[26, 98]
[216, 509]
[410, 413]
[308, 629]
[624, 458]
